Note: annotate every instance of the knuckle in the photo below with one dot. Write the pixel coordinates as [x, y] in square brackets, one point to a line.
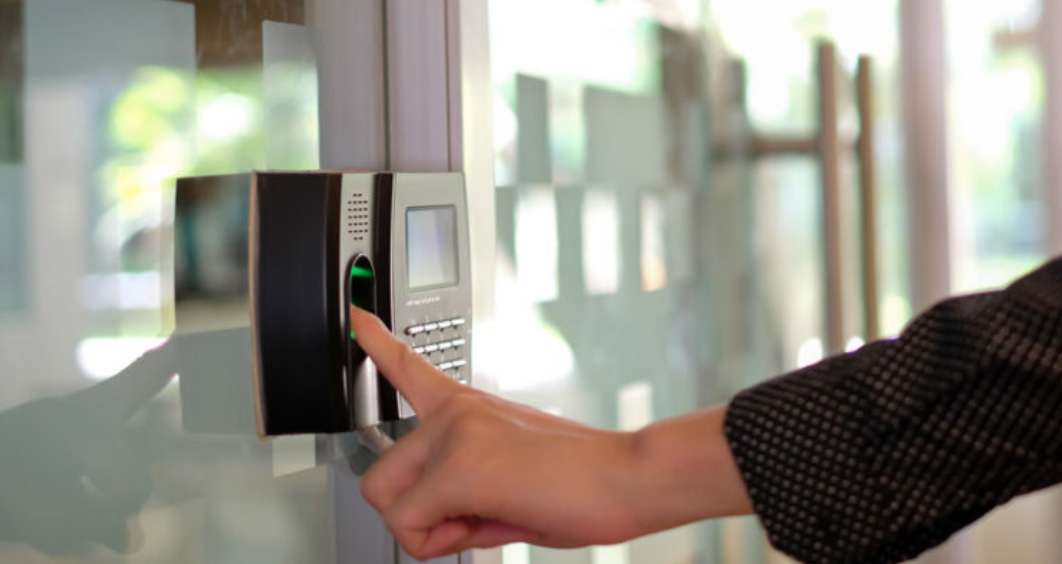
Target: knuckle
[416, 550]
[394, 527]
[411, 542]
[462, 461]
[470, 423]
[461, 403]
[370, 489]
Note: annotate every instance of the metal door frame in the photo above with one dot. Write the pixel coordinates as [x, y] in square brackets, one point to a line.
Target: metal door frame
[397, 79]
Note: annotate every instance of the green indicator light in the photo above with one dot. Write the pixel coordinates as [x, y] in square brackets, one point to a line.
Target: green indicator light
[353, 335]
[360, 272]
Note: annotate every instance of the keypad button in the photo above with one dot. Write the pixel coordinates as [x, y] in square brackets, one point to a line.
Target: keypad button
[419, 350]
[446, 366]
[445, 324]
[445, 345]
[458, 363]
[457, 322]
[431, 348]
[457, 343]
[429, 327]
[414, 330]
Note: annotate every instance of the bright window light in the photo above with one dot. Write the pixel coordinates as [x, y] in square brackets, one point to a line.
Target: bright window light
[517, 553]
[810, 352]
[517, 328]
[615, 554]
[601, 242]
[635, 405]
[103, 357]
[654, 257]
[536, 245]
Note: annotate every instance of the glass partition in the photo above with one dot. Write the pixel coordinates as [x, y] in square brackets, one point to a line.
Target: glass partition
[660, 264]
[626, 253]
[655, 257]
[103, 104]
[995, 96]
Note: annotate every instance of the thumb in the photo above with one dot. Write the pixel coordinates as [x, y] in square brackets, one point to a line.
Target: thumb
[414, 377]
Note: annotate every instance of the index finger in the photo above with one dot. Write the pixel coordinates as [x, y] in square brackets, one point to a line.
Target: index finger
[423, 386]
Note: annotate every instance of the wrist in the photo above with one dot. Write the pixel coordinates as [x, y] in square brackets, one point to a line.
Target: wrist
[683, 472]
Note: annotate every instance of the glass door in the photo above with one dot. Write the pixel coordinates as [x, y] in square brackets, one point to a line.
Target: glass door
[662, 239]
[625, 250]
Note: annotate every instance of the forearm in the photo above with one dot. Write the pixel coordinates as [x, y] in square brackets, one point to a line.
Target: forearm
[880, 454]
[685, 472]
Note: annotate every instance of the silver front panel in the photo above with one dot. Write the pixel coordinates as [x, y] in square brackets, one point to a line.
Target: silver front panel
[433, 305]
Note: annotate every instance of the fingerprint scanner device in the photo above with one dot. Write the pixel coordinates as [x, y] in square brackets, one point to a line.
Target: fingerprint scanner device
[288, 253]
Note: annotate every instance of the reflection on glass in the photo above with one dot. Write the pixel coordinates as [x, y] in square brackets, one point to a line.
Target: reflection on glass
[13, 274]
[210, 252]
[11, 81]
[83, 469]
[14, 290]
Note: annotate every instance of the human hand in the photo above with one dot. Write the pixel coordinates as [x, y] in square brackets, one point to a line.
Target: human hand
[480, 471]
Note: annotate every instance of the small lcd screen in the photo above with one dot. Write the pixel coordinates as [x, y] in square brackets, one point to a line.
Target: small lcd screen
[431, 247]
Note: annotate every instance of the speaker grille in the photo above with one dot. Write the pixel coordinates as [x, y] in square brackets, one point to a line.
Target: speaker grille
[356, 218]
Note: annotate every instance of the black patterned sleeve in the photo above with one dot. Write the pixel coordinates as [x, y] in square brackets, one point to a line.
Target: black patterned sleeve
[878, 455]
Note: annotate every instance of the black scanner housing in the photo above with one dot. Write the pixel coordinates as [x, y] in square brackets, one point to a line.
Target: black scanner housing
[296, 308]
[282, 234]
[285, 243]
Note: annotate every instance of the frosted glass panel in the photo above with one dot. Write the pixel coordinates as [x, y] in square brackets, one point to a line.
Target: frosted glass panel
[123, 443]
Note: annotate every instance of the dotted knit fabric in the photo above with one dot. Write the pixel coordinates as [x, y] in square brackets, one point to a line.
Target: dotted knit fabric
[878, 455]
